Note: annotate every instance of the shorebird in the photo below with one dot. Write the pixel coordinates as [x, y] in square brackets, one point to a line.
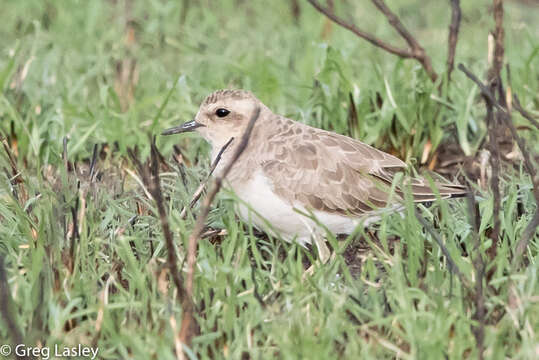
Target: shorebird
[296, 181]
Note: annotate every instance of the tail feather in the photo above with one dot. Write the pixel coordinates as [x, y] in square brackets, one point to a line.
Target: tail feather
[426, 193]
[422, 190]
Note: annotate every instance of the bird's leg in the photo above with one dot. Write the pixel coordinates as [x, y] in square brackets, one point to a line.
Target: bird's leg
[317, 237]
[324, 255]
[323, 251]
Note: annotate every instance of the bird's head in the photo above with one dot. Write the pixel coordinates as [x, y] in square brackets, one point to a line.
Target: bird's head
[222, 115]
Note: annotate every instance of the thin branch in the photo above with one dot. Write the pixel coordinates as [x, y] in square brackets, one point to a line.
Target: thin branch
[532, 171]
[484, 90]
[495, 82]
[202, 186]
[75, 235]
[490, 103]
[532, 226]
[172, 258]
[487, 94]
[161, 161]
[92, 163]
[452, 265]
[497, 64]
[405, 53]
[180, 163]
[415, 51]
[479, 267]
[525, 114]
[492, 125]
[527, 235]
[528, 164]
[12, 161]
[188, 319]
[397, 25]
[150, 179]
[453, 36]
[193, 239]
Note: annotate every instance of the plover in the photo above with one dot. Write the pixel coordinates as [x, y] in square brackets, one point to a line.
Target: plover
[295, 181]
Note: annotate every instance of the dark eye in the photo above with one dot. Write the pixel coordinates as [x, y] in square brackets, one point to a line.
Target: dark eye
[222, 112]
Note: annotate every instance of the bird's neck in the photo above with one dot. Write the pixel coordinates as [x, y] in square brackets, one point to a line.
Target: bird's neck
[246, 164]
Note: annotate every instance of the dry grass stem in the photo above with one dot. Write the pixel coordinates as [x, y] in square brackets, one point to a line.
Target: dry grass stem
[188, 320]
[198, 192]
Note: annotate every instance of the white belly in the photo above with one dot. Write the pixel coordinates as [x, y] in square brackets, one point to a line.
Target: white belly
[261, 207]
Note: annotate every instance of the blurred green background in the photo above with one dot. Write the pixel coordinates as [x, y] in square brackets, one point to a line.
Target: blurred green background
[100, 70]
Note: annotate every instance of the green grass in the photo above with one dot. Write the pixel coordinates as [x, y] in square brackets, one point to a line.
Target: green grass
[58, 78]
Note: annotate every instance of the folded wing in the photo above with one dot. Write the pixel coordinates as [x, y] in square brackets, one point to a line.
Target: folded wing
[324, 171]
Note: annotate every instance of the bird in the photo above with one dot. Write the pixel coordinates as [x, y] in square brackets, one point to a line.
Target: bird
[297, 182]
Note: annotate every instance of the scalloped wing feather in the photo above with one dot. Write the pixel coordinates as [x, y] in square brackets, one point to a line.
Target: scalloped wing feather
[329, 172]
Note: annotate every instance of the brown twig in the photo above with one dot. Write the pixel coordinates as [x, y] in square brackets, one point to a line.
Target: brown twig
[453, 36]
[528, 164]
[506, 117]
[405, 53]
[525, 114]
[155, 189]
[415, 51]
[532, 171]
[491, 103]
[180, 163]
[11, 183]
[492, 124]
[75, 235]
[484, 90]
[198, 192]
[497, 63]
[495, 82]
[479, 267]
[11, 158]
[452, 265]
[527, 235]
[162, 162]
[150, 177]
[93, 163]
[188, 319]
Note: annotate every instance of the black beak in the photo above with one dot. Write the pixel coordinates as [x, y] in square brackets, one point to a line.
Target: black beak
[185, 127]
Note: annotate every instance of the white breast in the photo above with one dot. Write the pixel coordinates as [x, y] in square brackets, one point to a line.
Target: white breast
[268, 212]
